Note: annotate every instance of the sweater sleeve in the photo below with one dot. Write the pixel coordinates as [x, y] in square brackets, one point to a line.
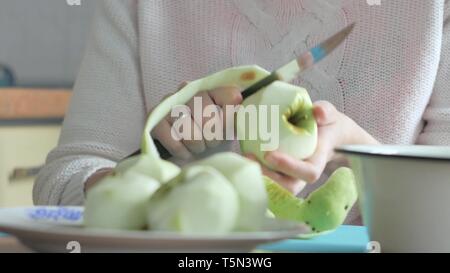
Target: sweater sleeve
[106, 115]
[437, 114]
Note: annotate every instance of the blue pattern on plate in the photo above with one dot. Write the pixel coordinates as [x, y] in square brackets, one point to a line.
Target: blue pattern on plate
[55, 214]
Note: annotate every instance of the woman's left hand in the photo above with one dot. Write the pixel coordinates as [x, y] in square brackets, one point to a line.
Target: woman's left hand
[334, 129]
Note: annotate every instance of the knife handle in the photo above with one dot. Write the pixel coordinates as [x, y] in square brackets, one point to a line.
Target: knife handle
[161, 150]
[259, 85]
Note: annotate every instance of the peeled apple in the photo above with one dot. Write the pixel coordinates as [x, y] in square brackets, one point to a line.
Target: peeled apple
[119, 202]
[199, 200]
[246, 178]
[297, 128]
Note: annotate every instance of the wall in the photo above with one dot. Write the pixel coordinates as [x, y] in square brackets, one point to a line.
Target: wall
[43, 40]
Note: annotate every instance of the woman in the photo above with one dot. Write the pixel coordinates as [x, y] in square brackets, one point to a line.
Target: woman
[387, 83]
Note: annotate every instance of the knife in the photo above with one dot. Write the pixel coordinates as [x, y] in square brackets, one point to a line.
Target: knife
[286, 73]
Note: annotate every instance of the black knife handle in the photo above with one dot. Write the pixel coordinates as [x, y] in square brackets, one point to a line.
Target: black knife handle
[161, 149]
[260, 84]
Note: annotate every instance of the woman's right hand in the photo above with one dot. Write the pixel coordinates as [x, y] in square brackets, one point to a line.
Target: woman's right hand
[186, 147]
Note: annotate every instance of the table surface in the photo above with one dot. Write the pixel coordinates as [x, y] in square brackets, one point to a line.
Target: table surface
[344, 239]
[12, 245]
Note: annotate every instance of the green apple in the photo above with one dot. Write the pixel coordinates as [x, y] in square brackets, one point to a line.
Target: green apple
[324, 210]
[119, 201]
[296, 134]
[199, 200]
[246, 178]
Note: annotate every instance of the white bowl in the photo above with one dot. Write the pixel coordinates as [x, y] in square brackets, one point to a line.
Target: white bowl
[404, 195]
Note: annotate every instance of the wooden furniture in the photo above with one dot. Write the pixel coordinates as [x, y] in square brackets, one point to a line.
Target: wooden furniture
[34, 104]
[30, 121]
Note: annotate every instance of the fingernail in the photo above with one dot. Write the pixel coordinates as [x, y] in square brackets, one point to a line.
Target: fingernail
[270, 158]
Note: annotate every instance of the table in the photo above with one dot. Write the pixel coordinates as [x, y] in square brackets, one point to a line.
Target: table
[348, 239]
[12, 245]
[344, 239]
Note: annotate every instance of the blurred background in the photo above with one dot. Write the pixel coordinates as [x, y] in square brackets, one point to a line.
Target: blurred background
[41, 47]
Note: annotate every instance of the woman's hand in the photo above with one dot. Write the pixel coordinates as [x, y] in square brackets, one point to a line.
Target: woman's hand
[186, 147]
[334, 129]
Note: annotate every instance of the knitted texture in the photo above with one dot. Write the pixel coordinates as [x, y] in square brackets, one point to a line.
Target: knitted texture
[390, 76]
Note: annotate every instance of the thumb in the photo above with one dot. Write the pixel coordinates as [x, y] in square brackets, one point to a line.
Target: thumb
[325, 113]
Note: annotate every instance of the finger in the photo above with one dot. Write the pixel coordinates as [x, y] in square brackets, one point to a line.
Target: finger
[324, 151]
[325, 113]
[312, 168]
[206, 112]
[189, 132]
[290, 166]
[292, 184]
[227, 95]
[272, 174]
[227, 98]
[162, 132]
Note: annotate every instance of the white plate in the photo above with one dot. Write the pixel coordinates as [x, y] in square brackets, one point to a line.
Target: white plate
[60, 229]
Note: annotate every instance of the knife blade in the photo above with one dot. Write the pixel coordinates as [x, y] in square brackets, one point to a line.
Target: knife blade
[291, 70]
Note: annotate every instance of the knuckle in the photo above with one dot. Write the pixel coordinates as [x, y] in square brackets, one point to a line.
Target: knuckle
[213, 143]
[195, 146]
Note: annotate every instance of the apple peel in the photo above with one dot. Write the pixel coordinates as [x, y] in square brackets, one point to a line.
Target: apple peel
[324, 210]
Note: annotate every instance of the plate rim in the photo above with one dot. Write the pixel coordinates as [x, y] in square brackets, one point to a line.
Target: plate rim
[148, 235]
